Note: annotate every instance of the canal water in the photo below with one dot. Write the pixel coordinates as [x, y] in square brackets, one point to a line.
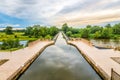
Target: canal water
[60, 62]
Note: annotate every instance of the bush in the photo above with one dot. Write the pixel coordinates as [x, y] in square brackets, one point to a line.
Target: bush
[8, 44]
[48, 37]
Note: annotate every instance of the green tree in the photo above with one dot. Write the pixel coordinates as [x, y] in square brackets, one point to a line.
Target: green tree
[95, 29]
[8, 30]
[88, 26]
[65, 27]
[106, 33]
[69, 33]
[116, 29]
[48, 37]
[8, 44]
[53, 31]
[97, 35]
[85, 33]
[28, 31]
[108, 26]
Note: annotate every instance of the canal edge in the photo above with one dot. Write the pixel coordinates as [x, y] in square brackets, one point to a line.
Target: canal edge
[97, 68]
[21, 70]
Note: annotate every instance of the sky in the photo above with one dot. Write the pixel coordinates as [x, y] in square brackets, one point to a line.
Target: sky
[23, 13]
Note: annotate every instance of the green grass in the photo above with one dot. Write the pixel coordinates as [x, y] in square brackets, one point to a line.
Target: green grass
[16, 35]
[11, 49]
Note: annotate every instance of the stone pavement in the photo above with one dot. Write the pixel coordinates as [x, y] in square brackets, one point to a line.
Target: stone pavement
[17, 59]
[100, 58]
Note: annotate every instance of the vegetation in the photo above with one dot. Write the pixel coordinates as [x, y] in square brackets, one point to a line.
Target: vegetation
[95, 32]
[10, 38]
[8, 44]
[8, 30]
[38, 31]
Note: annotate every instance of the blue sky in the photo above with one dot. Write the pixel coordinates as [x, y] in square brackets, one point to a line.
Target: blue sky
[22, 13]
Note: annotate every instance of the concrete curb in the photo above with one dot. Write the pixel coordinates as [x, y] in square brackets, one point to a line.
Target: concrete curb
[97, 68]
[23, 68]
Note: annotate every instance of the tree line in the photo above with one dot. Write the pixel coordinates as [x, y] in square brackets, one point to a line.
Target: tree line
[36, 31]
[95, 32]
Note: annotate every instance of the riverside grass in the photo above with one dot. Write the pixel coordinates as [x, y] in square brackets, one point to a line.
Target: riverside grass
[16, 35]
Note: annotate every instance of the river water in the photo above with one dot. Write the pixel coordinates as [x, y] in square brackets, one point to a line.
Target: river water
[60, 62]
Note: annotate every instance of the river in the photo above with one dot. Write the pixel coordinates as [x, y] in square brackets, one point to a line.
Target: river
[60, 62]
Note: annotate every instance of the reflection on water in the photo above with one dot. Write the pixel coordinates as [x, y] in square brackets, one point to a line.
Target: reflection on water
[24, 43]
[60, 62]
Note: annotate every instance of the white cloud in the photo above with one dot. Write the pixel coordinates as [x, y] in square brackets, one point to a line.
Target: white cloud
[50, 11]
[7, 24]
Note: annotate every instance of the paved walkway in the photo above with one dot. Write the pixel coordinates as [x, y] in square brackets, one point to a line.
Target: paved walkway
[100, 57]
[18, 58]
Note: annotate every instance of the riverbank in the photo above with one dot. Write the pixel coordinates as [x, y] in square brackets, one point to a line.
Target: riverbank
[21, 59]
[100, 59]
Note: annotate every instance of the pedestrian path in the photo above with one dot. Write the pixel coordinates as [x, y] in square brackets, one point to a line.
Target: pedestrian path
[19, 58]
[101, 58]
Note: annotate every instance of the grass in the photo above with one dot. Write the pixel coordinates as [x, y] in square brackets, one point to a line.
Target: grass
[3, 61]
[16, 35]
[11, 49]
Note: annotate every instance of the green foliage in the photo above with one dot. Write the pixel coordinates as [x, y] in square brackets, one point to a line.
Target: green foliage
[48, 37]
[108, 26]
[85, 33]
[116, 29]
[8, 30]
[8, 44]
[94, 29]
[69, 33]
[76, 35]
[38, 31]
[28, 31]
[96, 32]
[97, 35]
[65, 27]
[106, 33]
[53, 31]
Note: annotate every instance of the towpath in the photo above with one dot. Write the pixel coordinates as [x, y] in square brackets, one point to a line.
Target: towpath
[18, 59]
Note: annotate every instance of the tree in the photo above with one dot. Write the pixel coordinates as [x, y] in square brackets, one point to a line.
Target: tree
[69, 33]
[28, 31]
[53, 31]
[97, 35]
[65, 27]
[95, 29]
[8, 44]
[85, 33]
[106, 33]
[116, 29]
[88, 26]
[48, 37]
[8, 30]
[108, 26]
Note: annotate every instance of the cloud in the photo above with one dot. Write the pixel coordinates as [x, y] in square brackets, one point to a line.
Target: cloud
[50, 12]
